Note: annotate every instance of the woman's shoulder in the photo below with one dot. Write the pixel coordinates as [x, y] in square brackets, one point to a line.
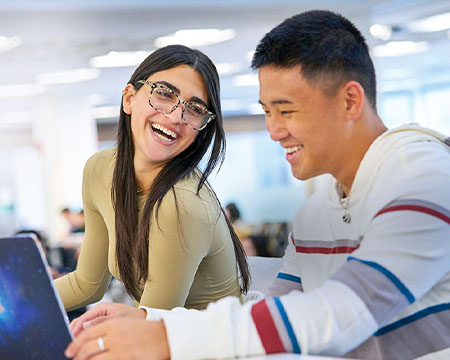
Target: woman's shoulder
[103, 156]
[101, 159]
[186, 191]
[100, 167]
[189, 187]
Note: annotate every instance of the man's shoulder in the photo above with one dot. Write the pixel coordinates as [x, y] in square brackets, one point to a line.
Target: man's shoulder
[404, 152]
[412, 137]
[414, 152]
[411, 165]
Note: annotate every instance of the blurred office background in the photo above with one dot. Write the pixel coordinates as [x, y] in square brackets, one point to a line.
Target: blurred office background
[63, 64]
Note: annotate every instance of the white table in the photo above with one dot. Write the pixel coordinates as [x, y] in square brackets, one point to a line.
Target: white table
[291, 357]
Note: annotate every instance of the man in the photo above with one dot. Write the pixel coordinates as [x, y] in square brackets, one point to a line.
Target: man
[366, 270]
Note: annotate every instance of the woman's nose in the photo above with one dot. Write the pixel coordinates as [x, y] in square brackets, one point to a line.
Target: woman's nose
[175, 116]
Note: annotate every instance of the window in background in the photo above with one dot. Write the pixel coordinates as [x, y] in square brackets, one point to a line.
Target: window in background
[256, 176]
[428, 106]
[396, 108]
[438, 108]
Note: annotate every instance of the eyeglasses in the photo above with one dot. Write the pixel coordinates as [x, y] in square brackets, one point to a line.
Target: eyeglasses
[165, 100]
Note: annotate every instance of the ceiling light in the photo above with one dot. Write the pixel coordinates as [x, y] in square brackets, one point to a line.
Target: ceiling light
[119, 58]
[196, 37]
[395, 74]
[382, 32]
[246, 80]
[15, 90]
[8, 43]
[228, 68]
[66, 77]
[430, 24]
[97, 99]
[249, 55]
[400, 48]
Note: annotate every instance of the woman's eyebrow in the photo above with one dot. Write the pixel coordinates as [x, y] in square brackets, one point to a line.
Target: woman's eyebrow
[169, 85]
[198, 100]
[177, 91]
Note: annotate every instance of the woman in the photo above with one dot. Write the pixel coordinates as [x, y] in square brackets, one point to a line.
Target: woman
[152, 220]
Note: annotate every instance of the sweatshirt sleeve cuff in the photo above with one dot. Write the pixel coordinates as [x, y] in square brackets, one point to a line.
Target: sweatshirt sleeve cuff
[223, 330]
[154, 314]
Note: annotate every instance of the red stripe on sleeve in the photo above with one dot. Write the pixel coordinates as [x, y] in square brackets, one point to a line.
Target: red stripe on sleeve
[266, 328]
[415, 208]
[324, 250]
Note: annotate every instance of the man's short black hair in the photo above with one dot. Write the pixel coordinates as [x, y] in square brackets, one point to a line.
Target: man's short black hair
[329, 48]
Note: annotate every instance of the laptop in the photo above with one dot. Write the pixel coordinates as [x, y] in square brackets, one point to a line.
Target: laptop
[33, 323]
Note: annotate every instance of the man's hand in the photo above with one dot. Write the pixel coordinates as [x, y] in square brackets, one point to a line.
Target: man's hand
[123, 338]
[102, 312]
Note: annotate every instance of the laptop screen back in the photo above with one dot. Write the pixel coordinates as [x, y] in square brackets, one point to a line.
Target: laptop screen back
[32, 319]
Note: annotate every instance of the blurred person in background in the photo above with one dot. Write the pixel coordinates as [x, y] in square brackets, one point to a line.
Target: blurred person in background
[240, 227]
[152, 220]
[256, 245]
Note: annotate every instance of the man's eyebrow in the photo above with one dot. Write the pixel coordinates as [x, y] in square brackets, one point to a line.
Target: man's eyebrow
[277, 102]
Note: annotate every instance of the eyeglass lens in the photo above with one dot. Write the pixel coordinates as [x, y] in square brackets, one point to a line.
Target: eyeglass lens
[164, 100]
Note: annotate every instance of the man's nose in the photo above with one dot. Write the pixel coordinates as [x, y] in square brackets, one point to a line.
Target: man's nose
[276, 127]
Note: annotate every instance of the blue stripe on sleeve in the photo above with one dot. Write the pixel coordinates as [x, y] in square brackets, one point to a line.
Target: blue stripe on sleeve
[394, 279]
[409, 319]
[287, 324]
[289, 277]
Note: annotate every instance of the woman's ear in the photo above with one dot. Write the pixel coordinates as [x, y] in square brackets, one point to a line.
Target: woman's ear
[128, 94]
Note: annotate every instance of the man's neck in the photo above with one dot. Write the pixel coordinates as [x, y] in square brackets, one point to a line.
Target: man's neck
[364, 134]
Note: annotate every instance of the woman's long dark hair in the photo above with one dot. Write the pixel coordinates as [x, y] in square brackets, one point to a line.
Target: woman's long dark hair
[132, 236]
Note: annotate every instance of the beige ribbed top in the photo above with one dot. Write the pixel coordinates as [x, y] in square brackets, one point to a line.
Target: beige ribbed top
[191, 255]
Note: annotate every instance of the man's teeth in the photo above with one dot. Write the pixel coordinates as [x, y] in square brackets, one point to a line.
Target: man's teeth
[161, 128]
[293, 149]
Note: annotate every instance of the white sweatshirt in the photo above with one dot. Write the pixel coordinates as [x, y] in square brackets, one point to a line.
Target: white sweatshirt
[377, 287]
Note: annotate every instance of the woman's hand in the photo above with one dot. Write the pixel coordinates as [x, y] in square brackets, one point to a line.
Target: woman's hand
[103, 311]
[121, 338]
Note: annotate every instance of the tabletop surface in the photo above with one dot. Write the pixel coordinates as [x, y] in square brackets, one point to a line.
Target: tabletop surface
[291, 357]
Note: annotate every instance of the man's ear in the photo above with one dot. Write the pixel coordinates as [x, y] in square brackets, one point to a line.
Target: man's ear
[128, 94]
[354, 99]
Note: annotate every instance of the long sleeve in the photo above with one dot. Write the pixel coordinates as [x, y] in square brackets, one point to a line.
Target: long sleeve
[88, 283]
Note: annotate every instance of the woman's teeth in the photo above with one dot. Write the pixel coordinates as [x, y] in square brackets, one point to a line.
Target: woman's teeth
[292, 149]
[163, 133]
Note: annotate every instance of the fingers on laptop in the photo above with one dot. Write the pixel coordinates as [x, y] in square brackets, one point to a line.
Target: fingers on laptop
[101, 310]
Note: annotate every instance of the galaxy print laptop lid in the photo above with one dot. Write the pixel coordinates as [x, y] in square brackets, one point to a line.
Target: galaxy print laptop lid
[33, 323]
